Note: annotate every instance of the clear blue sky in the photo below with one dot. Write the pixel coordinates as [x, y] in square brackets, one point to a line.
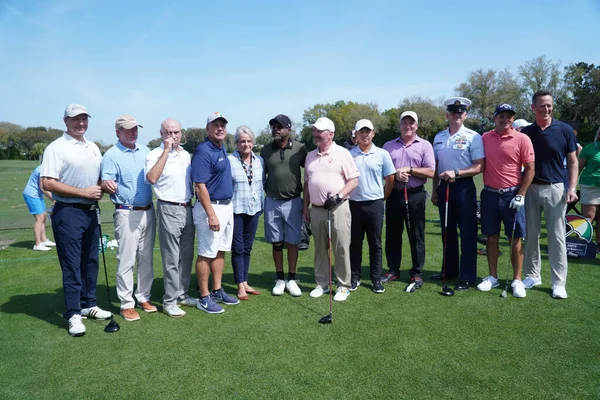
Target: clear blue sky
[254, 59]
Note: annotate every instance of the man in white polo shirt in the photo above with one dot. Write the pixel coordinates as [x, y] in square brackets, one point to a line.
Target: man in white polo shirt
[168, 169]
[71, 171]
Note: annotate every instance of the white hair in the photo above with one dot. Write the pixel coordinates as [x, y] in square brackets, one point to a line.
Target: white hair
[244, 130]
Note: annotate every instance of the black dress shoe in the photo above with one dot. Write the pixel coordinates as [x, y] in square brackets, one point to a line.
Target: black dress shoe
[464, 285]
[440, 276]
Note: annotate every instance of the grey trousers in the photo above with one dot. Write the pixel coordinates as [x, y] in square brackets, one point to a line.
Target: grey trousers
[551, 199]
[176, 240]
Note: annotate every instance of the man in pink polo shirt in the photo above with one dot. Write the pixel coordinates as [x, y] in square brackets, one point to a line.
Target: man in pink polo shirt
[503, 195]
[330, 174]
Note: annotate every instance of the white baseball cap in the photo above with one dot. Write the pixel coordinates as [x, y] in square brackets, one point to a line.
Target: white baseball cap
[214, 116]
[323, 124]
[411, 114]
[74, 110]
[363, 123]
[520, 123]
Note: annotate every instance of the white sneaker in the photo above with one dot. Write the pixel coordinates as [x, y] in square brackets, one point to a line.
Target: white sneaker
[279, 287]
[188, 301]
[76, 327]
[488, 283]
[559, 292]
[530, 282]
[318, 291]
[49, 243]
[518, 288]
[341, 294]
[95, 313]
[40, 247]
[293, 289]
[173, 310]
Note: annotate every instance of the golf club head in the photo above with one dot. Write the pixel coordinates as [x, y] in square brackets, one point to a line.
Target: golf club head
[326, 319]
[410, 288]
[503, 294]
[446, 291]
[112, 326]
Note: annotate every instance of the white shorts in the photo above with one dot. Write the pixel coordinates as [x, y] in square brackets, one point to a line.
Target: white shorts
[210, 242]
[590, 195]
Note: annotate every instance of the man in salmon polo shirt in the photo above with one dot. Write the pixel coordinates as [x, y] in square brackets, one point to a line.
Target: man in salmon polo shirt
[330, 174]
[503, 194]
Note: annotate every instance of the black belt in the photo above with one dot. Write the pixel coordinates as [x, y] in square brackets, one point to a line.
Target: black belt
[316, 206]
[539, 182]
[416, 189]
[134, 208]
[81, 206]
[173, 203]
[223, 202]
[501, 191]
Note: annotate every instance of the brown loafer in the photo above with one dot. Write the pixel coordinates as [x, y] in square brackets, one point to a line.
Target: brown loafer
[147, 306]
[129, 314]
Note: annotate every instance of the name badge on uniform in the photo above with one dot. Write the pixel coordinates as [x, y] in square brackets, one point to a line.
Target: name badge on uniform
[438, 145]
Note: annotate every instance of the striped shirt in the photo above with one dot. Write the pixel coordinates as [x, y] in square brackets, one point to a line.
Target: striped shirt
[247, 199]
[126, 167]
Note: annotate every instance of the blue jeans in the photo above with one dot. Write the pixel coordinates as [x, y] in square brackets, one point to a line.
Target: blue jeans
[244, 230]
[77, 238]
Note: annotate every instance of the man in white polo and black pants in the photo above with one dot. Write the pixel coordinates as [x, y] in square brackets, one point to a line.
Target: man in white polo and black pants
[135, 222]
[168, 170]
[71, 171]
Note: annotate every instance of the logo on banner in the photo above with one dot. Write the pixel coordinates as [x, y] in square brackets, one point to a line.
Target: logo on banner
[580, 226]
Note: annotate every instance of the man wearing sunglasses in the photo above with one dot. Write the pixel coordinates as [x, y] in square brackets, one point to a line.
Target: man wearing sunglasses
[283, 204]
[459, 156]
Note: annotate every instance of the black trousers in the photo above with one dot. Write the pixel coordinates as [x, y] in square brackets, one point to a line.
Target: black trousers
[367, 217]
[396, 219]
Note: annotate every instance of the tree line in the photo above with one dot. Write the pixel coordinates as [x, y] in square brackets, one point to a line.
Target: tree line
[576, 90]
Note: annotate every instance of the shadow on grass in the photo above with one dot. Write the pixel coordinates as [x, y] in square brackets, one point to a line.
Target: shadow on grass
[44, 306]
[26, 244]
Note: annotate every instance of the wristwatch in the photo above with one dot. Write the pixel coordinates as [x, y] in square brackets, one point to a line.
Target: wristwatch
[410, 172]
[456, 174]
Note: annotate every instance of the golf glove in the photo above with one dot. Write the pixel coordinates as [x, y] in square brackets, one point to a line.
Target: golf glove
[332, 201]
[517, 202]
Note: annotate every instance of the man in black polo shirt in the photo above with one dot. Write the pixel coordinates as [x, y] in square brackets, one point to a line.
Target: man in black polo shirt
[213, 213]
[553, 141]
[283, 205]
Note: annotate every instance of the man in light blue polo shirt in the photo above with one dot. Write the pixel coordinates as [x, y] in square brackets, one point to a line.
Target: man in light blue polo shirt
[367, 203]
[459, 156]
[135, 222]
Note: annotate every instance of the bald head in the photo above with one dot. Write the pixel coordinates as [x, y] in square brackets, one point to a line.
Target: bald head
[171, 128]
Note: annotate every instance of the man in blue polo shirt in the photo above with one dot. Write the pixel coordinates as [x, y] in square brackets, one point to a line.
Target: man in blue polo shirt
[459, 156]
[366, 203]
[213, 213]
[553, 141]
[123, 178]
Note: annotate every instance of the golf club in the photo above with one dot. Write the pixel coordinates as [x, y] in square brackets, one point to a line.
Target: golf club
[446, 291]
[410, 288]
[112, 325]
[328, 319]
[512, 238]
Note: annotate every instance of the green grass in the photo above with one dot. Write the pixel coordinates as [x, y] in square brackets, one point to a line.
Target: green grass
[395, 345]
